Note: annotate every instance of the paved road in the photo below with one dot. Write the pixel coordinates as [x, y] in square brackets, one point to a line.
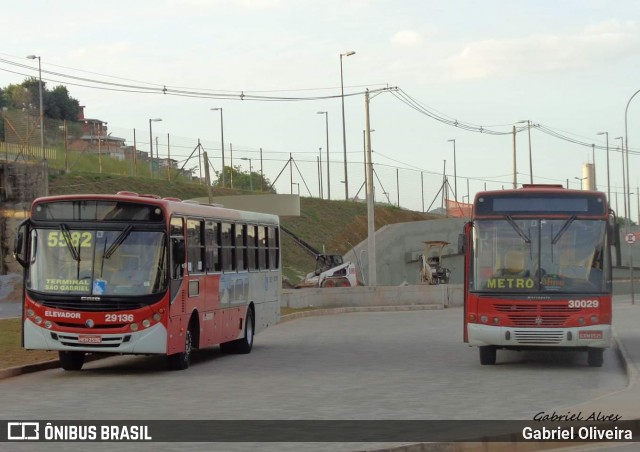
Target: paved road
[392, 365]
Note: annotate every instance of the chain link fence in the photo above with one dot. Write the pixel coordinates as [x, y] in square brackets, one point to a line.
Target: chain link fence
[91, 146]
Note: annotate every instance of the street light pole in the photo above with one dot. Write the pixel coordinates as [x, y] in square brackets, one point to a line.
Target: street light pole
[33, 57]
[624, 186]
[344, 133]
[151, 144]
[326, 128]
[222, 143]
[455, 177]
[626, 143]
[608, 177]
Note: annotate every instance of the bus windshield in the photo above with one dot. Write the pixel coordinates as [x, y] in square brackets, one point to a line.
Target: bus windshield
[540, 255]
[93, 262]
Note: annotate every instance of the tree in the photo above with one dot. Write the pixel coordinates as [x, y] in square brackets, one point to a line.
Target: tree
[17, 97]
[57, 104]
[243, 180]
[62, 106]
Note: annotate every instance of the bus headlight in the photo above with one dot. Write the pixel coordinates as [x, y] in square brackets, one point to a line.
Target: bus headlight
[581, 320]
[594, 319]
[156, 317]
[484, 318]
[30, 313]
[496, 320]
[48, 324]
[146, 323]
[134, 327]
[38, 320]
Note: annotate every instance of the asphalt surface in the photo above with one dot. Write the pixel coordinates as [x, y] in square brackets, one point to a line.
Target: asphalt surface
[391, 365]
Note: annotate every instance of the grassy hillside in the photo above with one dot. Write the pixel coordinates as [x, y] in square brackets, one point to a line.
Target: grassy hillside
[330, 225]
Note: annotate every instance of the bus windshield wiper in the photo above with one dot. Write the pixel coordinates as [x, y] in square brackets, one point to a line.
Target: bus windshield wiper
[67, 238]
[563, 229]
[118, 241]
[516, 228]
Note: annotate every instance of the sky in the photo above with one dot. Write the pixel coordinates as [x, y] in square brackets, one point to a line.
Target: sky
[437, 71]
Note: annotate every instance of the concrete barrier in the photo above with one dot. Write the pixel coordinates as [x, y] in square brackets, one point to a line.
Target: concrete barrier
[444, 295]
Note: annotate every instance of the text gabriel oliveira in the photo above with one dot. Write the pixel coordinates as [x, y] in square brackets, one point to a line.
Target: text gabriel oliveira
[604, 432]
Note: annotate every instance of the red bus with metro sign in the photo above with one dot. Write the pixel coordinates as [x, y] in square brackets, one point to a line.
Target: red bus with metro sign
[538, 271]
[140, 274]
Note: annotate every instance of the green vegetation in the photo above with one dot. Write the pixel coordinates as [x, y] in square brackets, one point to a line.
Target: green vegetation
[11, 352]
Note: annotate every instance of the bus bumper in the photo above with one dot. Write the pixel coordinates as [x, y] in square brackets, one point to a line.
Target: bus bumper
[597, 336]
[151, 340]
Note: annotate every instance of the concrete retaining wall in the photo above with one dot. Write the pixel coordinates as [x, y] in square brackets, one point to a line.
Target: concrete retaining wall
[398, 250]
[20, 183]
[444, 295]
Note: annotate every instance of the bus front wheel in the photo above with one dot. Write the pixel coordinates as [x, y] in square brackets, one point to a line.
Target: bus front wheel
[71, 360]
[181, 361]
[595, 357]
[487, 355]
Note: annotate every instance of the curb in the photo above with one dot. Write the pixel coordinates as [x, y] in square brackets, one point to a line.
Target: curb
[29, 368]
[629, 367]
[44, 365]
[346, 310]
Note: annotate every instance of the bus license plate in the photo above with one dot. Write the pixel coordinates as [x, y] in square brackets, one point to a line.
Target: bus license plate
[89, 339]
[590, 334]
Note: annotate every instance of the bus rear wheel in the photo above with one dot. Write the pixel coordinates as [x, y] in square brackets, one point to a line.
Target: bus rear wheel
[181, 361]
[487, 355]
[595, 357]
[244, 345]
[71, 360]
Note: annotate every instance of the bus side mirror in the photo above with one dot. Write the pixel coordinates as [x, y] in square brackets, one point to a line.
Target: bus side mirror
[20, 244]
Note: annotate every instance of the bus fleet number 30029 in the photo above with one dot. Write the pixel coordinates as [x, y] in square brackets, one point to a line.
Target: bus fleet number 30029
[583, 303]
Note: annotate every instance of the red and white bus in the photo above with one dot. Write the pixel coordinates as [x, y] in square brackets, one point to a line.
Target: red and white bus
[140, 274]
[538, 271]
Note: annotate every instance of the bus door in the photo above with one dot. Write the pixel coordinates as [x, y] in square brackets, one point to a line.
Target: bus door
[468, 248]
[177, 257]
[196, 280]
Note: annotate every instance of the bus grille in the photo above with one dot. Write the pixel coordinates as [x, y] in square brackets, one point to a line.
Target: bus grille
[543, 314]
[71, 340]
[536, 337]
[542, 321]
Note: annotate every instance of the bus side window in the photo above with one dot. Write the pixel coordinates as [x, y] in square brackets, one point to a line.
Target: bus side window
[212, 245]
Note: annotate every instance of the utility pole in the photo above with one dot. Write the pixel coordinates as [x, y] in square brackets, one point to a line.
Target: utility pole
[371, 232]
[515, 173]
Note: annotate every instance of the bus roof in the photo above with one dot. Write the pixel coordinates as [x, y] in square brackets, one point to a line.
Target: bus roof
[540, 199]
[171, 205]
